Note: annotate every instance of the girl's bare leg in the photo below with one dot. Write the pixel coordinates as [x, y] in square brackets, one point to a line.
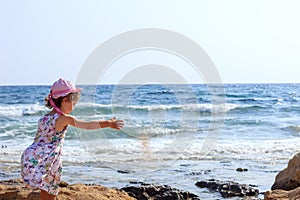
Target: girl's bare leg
[46, 196]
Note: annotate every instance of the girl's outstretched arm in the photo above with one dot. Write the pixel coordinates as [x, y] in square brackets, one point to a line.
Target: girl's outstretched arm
[65, 120]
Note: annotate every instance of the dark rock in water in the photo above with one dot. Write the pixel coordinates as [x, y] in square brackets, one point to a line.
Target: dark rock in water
[198, 173]
[135, 182]
[228, 189]
[241, 169]
[124, 171]
[158, 192]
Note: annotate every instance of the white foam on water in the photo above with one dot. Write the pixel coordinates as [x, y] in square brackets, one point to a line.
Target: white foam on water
[204, 107]
[21, 110]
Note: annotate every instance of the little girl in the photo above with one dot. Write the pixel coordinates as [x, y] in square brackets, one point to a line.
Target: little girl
[41, 165]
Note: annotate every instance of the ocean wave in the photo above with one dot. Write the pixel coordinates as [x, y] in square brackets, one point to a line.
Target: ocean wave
[290, 108]
[155, 149]
[253, 108]
[292, 128]
[22, 110]
[275, 149]
[206, 107]
[85, 109]
[260, 99]
[128, 150]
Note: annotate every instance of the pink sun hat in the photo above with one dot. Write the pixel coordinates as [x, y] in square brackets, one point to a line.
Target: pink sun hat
[61, 88]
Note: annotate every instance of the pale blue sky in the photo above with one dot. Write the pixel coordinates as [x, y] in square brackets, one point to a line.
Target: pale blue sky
[250, 41]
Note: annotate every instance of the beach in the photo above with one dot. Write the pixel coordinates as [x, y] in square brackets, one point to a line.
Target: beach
[166, 129]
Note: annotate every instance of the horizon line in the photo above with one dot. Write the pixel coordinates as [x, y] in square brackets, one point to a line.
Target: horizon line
[91, 84]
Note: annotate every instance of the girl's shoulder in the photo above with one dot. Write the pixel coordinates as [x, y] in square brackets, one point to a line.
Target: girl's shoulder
[63, 122]
[65, 117]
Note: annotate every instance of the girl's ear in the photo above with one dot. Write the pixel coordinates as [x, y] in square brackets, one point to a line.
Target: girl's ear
[65, 99]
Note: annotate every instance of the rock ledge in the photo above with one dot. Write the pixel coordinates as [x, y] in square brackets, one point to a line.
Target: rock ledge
[14, 190]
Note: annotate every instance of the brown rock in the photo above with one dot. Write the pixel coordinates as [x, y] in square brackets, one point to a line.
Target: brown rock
[283, 195]
[14, 190]
[289, 178]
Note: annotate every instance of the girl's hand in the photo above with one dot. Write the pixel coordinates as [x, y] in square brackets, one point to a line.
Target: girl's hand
[115, 124]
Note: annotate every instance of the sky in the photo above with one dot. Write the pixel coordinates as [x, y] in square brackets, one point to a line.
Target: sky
[249, 41]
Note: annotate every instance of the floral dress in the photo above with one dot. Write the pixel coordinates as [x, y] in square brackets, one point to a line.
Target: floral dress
[41, 165]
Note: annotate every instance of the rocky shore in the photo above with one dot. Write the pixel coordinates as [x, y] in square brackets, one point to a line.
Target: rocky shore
[285, 187]
[14, 190]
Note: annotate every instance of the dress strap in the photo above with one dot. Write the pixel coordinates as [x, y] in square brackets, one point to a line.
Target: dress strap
[53, 105]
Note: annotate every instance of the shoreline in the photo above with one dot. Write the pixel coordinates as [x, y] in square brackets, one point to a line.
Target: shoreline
[14, 189]
[189, 172]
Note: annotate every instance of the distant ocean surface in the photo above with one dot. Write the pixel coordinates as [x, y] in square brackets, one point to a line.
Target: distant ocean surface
[165, 133]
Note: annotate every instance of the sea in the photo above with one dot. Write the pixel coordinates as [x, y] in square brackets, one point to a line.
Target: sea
[173, 134]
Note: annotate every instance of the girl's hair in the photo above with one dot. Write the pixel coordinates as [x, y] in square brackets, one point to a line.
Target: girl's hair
[75, 96]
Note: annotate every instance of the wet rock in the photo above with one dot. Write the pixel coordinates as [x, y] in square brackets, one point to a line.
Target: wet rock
[198, 173]
[241, 169]
[124, 171]
[158, 192]
[228, 189]
[289, 178]
[135, 182]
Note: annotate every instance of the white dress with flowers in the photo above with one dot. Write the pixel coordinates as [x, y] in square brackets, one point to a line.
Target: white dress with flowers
[41, 161]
